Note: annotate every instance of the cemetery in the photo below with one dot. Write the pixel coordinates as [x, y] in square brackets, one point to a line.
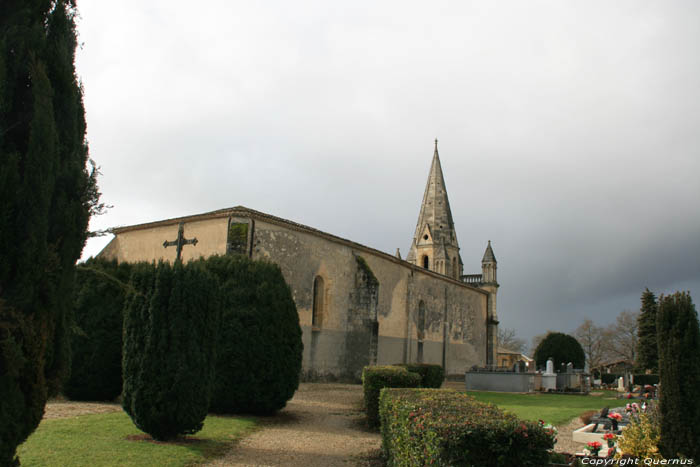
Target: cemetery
[235, 337]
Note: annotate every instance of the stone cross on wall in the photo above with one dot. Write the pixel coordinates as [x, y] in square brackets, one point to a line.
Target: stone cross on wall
[180, 241]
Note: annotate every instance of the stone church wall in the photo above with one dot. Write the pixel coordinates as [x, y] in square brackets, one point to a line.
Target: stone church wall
[372, 301]
[455, 315]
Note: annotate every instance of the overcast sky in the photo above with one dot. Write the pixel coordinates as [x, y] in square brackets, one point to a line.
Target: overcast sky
[569, 132]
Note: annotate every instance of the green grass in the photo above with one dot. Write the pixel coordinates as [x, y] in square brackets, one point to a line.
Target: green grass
[552, 408]
[100, 440]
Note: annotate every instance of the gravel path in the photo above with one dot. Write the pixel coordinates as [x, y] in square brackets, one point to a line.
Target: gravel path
[323, 425]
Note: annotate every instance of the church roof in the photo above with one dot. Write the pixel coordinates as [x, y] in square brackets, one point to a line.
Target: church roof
[242, 211]
[489, 257]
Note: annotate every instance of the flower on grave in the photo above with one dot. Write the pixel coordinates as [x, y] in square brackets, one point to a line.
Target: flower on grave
[611, 451]
[615, 416]
[594, 447]
[610, 438]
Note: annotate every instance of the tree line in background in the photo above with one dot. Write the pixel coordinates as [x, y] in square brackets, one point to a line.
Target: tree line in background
[664, 338]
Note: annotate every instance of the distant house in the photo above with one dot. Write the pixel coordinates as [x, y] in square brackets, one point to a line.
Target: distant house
[615, 367]
[506, 358]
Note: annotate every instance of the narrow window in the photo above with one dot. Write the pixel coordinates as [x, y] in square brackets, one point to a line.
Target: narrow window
[425, 261]
[455, 272]
[421, 330]
[318, 305]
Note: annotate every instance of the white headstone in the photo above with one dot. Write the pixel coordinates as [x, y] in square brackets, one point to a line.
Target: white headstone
[550, 367]
[621, 384]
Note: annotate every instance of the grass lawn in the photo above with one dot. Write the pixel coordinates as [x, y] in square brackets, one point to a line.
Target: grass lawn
[101, 440]
[556, 409]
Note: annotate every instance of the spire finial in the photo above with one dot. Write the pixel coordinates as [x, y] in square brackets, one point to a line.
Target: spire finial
[436, 144]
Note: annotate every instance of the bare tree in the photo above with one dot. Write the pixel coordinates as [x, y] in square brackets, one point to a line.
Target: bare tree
[537, 339]
[508, 340]
[592, 338]
[621, 338]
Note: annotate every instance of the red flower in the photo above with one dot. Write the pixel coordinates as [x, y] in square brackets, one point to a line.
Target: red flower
[607, 436]
[595, 445]
[615, 416]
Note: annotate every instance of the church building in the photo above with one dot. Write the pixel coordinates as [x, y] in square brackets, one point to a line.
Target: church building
[357, 306]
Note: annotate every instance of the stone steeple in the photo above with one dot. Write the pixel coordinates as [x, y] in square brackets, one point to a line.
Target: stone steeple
[489, 266]
[435, 244]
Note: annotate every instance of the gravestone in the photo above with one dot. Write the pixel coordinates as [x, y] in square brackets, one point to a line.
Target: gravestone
[621, 384]
[569, 367]
[550, 367]
[549, 378]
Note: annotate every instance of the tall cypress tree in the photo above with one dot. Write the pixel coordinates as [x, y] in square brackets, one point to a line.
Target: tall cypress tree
[647, 347]
[170, 330]
[45, 199]
[679, 370]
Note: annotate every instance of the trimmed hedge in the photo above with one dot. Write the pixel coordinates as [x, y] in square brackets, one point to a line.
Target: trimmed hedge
[171, 322]
[431, 375]
[609, 378]
[642, 379]
[375, 378]
[96, 342]
[447, 428]
[259, 347]
[646, 379]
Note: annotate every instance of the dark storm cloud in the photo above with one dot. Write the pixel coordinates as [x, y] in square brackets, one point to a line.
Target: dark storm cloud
[568, 131]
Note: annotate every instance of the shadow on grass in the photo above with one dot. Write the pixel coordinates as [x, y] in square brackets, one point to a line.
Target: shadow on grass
[205, 447]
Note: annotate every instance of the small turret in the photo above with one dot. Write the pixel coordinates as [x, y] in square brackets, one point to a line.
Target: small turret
[489, 266]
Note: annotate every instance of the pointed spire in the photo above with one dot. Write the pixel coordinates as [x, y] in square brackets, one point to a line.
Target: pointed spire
[436, 216]
[489, 257]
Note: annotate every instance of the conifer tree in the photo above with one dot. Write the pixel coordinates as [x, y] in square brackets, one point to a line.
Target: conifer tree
[562, 348]
[170, 329]
[96, 340]
[46, 196]
[647, 348]
[260, 346]
[678, 335]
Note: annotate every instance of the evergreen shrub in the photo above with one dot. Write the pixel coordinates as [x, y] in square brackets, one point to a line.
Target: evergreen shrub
[562, 348]
[46, 197]
[171, 320]
[445, 427]
[678, 336]
[644, 379]
[375, 378]
[96, 340]
[432, 375]
[609, 378]
[259, 346]
[640, 438]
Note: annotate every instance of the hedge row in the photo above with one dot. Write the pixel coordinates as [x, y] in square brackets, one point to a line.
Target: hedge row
[444, 427]
[375, 378]
[432, 376]
[641, 379]
[96, 340]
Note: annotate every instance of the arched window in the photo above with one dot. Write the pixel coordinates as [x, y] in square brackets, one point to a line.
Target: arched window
[426, 261]
[318, 303]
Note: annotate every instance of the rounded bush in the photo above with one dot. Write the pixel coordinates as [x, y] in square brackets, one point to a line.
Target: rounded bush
[562, 348]
[432, 375]
[96, 341]
[259, 347]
